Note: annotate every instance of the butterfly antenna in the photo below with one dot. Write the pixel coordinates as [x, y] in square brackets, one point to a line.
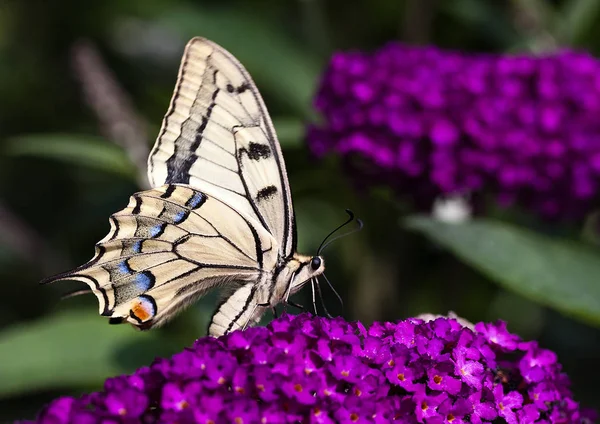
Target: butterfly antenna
[333, 289]
[348, 221]
[357, 229]
[318, 287]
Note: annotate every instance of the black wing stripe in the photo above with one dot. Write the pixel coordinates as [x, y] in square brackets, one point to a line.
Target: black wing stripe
[114, 221]
[171, 110]
[169, 191]
[243, 310]
[138, 205]
[178, 172]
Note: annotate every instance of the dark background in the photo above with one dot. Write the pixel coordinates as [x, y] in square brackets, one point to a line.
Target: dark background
[63, 169]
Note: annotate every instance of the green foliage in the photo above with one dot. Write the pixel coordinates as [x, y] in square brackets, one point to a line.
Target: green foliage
[562, 274]
[73, 150]
[71, 349]
[289, 72]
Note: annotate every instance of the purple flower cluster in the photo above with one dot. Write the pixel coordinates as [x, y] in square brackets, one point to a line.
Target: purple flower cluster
[431, 122]
[308, 369]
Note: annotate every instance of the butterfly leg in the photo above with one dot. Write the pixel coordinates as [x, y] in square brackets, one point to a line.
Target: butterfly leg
[320, 293]
[250, 317]
[287, 301]
[295, 305]
[314, 298]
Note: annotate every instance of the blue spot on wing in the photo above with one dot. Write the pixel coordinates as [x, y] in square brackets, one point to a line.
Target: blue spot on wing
[144, 280]
[124, 267]
[196, 200]
[179, 216]
[157, 230]
[137, 247]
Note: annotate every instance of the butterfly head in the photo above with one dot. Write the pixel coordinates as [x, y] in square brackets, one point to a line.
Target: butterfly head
[306, 268]
[302, 269]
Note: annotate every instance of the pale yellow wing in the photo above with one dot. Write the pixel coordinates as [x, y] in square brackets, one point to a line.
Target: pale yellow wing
[237, 310]
[168, 247]
[217, 131]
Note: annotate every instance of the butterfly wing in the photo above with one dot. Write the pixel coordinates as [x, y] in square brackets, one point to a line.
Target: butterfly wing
[167, 248]
[217, 131]
[237, 310]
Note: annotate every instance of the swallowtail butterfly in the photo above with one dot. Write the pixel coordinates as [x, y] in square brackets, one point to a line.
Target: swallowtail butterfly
[219, 214]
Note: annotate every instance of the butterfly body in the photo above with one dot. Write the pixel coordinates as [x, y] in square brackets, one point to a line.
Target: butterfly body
[220, 213]
[270, 289]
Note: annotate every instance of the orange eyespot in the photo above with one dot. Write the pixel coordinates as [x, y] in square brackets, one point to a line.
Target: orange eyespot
[144, 309]
[140, 312]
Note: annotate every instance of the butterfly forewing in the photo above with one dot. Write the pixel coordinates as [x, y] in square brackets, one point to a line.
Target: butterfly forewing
[169, 246]
[217, 131]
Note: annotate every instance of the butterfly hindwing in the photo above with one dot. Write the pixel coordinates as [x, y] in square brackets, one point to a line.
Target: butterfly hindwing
[168, 247]
[237, 310]
[217, 131]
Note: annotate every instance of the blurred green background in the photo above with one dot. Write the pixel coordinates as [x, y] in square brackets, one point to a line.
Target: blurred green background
[83, 89]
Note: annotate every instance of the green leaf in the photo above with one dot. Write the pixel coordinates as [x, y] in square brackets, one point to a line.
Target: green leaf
[561, 274]
[71, 350]
[73, 149]
[279, 65]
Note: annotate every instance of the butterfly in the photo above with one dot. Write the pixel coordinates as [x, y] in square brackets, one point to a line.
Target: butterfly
[219, 214]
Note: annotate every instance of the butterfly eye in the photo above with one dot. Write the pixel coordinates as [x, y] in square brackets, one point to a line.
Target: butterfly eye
[315, 263]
